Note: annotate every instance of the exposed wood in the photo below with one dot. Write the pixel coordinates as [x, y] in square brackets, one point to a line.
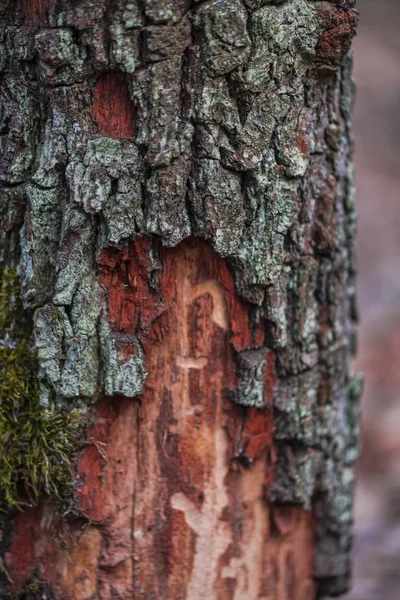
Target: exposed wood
[35, 11]
[174, 484]
[112, 107]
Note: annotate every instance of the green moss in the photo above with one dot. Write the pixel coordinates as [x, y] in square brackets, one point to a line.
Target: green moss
[36, 442]
[34, 589]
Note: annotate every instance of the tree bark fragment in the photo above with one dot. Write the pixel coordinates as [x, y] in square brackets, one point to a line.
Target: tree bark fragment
[177, 196]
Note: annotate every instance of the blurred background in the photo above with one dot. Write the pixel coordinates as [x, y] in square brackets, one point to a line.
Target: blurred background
[377, 134]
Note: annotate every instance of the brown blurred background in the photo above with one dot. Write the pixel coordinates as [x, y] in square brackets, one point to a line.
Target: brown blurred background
[377, 134]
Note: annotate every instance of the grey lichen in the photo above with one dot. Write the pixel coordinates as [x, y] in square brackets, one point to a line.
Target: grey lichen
[243, 138]
[250, 373]
[225, 41]
[123, 374]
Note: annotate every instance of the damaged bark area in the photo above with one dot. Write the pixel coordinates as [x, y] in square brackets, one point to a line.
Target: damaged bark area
[178, 200]
[173, 486]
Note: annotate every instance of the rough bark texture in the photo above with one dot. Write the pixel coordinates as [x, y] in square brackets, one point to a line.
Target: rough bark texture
[178, 198]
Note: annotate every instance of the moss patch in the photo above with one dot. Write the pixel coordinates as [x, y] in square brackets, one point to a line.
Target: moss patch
[34, 589]
[36, 442]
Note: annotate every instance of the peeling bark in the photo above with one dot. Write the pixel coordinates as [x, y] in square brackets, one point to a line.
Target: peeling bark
[178, 199]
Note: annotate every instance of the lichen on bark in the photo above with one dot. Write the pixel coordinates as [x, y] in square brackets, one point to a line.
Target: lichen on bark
[239, 133]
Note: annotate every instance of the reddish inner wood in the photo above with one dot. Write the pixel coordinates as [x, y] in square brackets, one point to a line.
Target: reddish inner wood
[172, 511]
[112, 107]
[35, 10]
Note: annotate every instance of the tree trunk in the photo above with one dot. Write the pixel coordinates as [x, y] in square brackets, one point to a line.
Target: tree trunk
[178, 410]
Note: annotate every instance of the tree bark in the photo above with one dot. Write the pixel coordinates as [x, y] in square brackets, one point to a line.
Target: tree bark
[178, 205]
